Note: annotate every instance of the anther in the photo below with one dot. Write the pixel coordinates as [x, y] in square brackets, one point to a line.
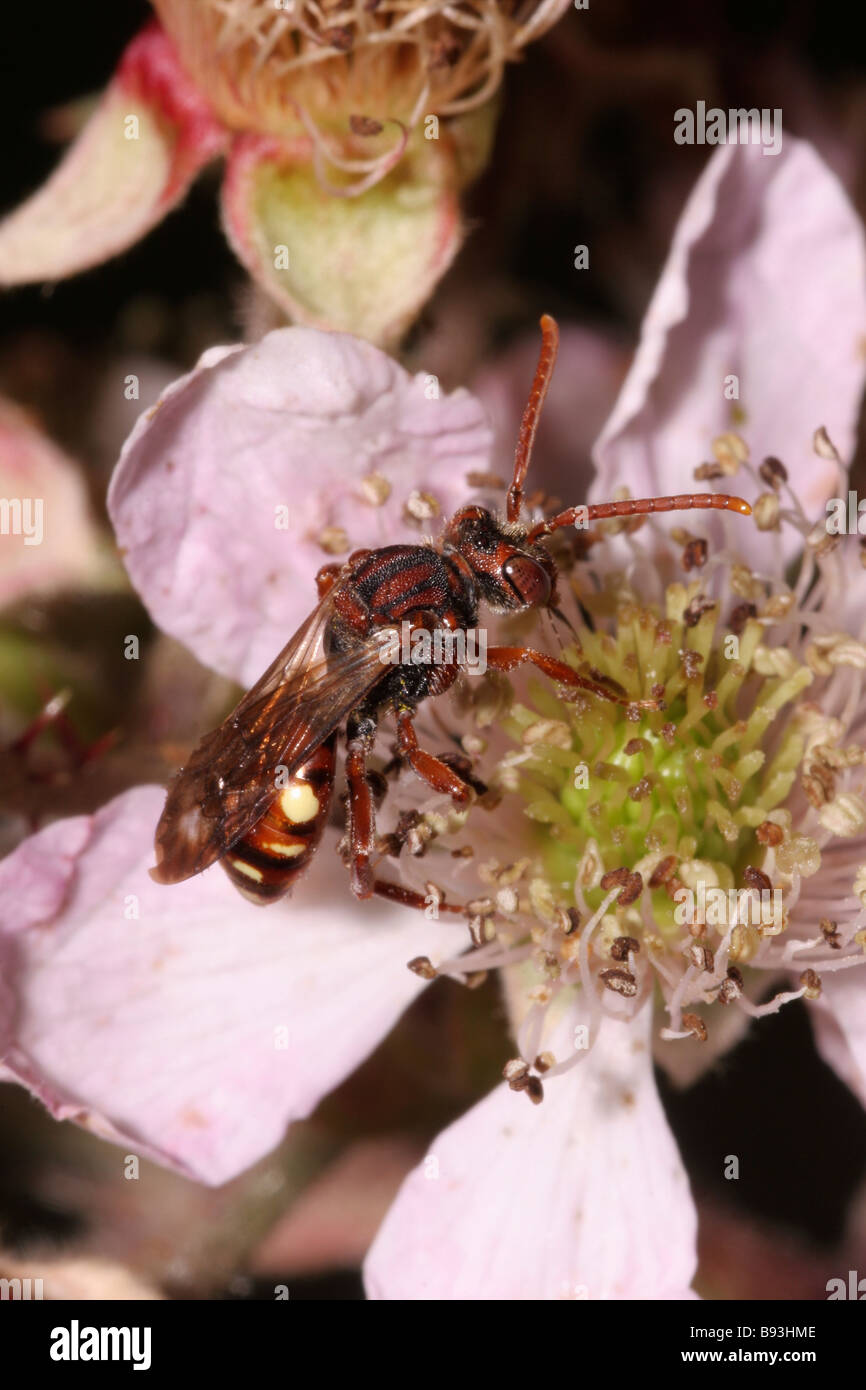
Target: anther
[619, 981]
[375, 489]
[478, 479]
[696, 610]
[830, 932]
[663, 871]
[692, 662]
[573, 920]
[701, 957]
[334, 541]
[637, 745]
[694, 555]
[773, 472]
[423, 966]
[731, 987]
[641, 790]
[740, 616]
[630, 883]
[769, 833]
[420, 506]
[535, 1090]
[811, 983]
[365, 125]
[481, 907]
[695, 1024]
[756, 878]
[515, 1071]
[767, 512]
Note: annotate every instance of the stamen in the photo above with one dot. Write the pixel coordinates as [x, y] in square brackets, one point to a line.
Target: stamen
[741, 788]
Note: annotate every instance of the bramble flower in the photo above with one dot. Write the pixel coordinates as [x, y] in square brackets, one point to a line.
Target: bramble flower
[194, 1026]
[175, 1022]
[271, 67]
[348, 133]
[619, 907]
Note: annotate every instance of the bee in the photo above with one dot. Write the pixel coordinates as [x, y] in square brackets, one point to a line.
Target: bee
[256, 793]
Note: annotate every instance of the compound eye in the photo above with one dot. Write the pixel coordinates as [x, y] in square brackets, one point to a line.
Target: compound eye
[529, 580]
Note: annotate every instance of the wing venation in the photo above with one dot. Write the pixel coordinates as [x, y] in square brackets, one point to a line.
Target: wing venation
[230, 778]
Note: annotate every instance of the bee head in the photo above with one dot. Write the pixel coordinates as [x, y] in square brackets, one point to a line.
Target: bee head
[511, 575]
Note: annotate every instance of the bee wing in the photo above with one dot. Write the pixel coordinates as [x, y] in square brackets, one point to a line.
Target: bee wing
[230, 778]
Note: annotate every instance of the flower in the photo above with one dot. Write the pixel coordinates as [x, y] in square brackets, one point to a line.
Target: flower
[188, 1024]
[533, 1207]
[78, 905]
[271, 67]
[702, 856]
[347, 134]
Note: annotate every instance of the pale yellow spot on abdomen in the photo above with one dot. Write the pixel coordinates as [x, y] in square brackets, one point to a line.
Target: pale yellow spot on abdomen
[247, 869]
[299, 803]
[287, 851]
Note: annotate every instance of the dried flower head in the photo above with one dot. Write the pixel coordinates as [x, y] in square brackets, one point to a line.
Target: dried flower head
[265, 65]
[313, 107]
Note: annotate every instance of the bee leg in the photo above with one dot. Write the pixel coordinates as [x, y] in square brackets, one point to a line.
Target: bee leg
[409, 897]
[506, 658]
[432, 770]
[360, 734]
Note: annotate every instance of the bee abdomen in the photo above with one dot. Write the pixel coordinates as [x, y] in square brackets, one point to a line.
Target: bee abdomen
[267, 863]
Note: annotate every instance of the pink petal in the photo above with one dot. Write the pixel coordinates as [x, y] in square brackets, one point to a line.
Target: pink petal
[160, 1031]
[765, 280]
[839, 1023]
[365, 264]
[285, 430]
[48, 538]
[110, 189]
[583, 1196]
[846, 603]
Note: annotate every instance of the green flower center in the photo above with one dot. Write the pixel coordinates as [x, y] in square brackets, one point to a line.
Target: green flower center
[692, 782]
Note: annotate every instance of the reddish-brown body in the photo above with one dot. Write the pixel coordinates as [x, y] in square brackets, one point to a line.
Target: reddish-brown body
[268, 861]
[256, 792]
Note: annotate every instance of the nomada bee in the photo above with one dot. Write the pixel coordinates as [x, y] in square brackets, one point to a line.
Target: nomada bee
[256, 793]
